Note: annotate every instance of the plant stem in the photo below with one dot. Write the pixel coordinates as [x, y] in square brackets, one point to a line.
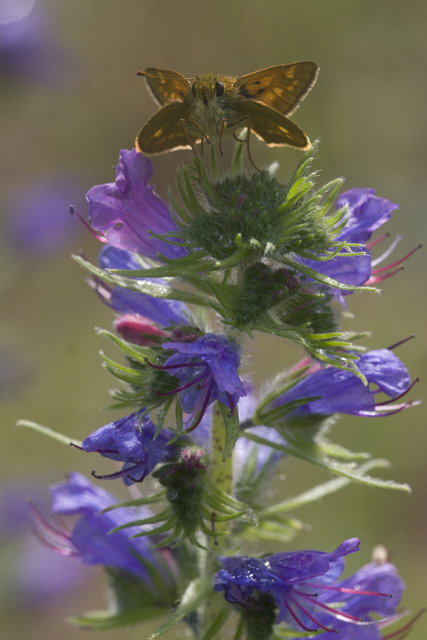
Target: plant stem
[222, 476]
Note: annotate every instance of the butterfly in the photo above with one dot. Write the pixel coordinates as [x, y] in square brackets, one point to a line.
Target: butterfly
[211, 106]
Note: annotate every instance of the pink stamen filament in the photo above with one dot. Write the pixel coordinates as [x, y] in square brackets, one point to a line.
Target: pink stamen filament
[406, 629]
[304, 610]
[375, 279]
[329, 609]
[371, 244]
[45, 529]
[395, 264]
[88, 227]
[348, 590]
[297, 620]
[62, 551]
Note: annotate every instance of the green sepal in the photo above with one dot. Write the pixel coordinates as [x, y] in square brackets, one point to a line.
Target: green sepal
[192, 597]
[231, 424]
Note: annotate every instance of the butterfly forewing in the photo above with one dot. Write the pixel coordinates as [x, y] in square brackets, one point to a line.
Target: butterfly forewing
[281, 87]
[165, 85]
[271, 126]
[163, 132]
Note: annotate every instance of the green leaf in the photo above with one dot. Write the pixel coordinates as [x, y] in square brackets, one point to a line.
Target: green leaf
[320, 277]
[319, 492]
[49, 432]
[310, 452]
[231, 423]
[196, 591]
[143, 286]
[105, 620]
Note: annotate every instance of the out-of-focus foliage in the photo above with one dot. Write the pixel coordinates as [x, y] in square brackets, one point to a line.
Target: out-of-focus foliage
[368, 107]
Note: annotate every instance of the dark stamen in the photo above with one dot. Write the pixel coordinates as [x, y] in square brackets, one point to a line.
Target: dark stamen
[118, 474]
[379, 404]
[175, 366]
[347, 590]
[184, 386]
[394, 346]
[76, 446]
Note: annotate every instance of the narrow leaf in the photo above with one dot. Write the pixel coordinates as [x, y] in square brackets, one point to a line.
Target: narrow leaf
[49, 432]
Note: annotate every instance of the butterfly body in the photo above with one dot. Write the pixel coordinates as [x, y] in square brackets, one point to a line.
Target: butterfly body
[214, 106]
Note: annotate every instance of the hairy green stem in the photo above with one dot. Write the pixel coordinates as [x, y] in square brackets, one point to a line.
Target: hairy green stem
[221, 475]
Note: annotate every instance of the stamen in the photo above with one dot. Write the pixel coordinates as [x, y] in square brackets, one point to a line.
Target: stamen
[203, 409]
[88, 227]
[297, 620]
[379, 404]
[371, 244]
[334, 612]
[386, 253]
[304, 610]
[118, 474]
[394, 346]
[45, 529]
[376, 279]
[358, 592]
[184, 386]
[76, 446]
[391, 266]
[175, 366]
[63, 551]
[406, 629]
[231, 402]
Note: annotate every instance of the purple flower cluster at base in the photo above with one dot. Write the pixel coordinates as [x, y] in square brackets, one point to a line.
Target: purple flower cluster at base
[305, 587]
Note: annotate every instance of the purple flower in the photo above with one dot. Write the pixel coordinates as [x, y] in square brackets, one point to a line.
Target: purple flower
[160, 310]
[91, 539]
[27, 48]
[382, 579]
[367, 213]
[131, 440]
[305, 587]
[331, 390]
[207, 371]
[128, 211]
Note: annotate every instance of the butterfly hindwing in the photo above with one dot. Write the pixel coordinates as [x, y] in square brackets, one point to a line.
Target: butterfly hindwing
[163, 132]
[165, 85]
[281, 87]
[271, 126]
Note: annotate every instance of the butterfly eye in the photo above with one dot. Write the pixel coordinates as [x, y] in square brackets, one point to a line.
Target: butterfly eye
[219, 88]
[193, 88]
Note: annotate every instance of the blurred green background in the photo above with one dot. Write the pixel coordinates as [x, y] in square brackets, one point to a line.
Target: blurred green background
[368, 108]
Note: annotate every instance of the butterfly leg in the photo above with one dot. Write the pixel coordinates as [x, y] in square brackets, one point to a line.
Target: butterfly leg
[182, 122]
[221, 131]
[196, 126]
[245, 123]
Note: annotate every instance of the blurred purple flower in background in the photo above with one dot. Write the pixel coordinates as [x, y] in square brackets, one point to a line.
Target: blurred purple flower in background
[28, 49]
[38, 217]
[32, 575]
